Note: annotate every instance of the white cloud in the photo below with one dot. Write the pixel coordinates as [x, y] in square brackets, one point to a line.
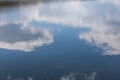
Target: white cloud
[20, 78]
[91, 76]
[18, 37]
[68, 77]
[101, 16]
[105, 30]
[102, 36]
[79, 76]
[111, 1]
[30, 78]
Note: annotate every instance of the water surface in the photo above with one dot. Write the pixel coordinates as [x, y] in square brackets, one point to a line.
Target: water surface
[60, 40]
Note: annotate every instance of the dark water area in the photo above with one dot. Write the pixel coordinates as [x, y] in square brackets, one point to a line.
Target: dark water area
[60, 40]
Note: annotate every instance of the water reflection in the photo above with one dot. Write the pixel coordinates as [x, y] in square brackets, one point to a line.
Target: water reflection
[77, 33]
[17, 34]
[79, 76]
[101, 17]
[17, 37]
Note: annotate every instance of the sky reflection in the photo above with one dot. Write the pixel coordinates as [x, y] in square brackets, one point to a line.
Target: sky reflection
[101, 17]
[66, 40]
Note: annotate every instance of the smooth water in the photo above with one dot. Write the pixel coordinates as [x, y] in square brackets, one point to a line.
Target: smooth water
[60, 40]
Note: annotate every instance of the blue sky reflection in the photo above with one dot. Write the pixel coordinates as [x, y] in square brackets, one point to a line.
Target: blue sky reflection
[66, 40]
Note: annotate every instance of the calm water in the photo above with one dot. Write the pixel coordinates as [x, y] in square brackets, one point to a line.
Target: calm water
[60, 40]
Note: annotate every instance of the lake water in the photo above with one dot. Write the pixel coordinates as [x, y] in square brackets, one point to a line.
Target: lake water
[60, 40]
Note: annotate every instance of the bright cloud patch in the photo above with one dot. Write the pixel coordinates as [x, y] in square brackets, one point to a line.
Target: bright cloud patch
[16, 37]
[20, 78]
[106, 38]
[79, 76]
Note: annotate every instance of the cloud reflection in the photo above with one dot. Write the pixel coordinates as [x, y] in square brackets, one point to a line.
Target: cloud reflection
[79, 76]
[18, 37]
[21, 78]
[101, 17]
